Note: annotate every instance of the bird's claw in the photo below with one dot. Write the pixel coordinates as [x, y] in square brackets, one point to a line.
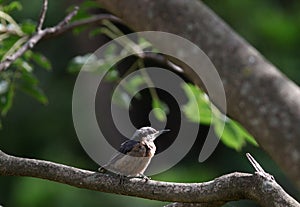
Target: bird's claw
[144, 177]
[122, 179]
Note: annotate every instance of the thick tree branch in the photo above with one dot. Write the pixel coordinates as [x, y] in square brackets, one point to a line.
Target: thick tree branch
[226, 188]
[211, 204]
[262, 99]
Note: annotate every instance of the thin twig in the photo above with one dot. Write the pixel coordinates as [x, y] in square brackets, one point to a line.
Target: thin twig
[17, 44]
[113, 32]
[83, 22]
[62, 27]
[68, 18]
[254, 163]
[16, 28]
[161, 59]
[42, 16]
[65, 26]
[148, 81]
[259, 170]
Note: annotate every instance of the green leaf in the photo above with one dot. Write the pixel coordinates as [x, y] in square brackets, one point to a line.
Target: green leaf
[28, 55]
[36, 93]
[28, 78]
[112, 75]
[89, 5]
[94, 64]
[229, 135]
[7, 44]
[77, 62]
[133, 84]
[41, 61]
[8, 100]
[6, 91]
[78, 30]
[22, 65]
[130, 87]
[143, 43]
[97, 65]
[200, 110]
[81, 14]
[15, 5]
[25, 65]
[95, 32]
[84, 12]
[28, 26]
[29, 84]
[4, 86]
[121, 98]
[198, 107]
[234, 135]
[244, 133]
[110, 52]
[160, 109]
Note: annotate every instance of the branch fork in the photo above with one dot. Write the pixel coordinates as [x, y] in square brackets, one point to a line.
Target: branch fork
[40, 33]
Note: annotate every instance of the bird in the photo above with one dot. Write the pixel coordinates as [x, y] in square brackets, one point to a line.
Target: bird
[135, 154]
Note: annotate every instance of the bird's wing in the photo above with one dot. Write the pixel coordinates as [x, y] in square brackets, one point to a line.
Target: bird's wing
[127, 146]
[123, 150]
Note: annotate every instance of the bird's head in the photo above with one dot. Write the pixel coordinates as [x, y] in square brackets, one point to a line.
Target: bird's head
[148, 134]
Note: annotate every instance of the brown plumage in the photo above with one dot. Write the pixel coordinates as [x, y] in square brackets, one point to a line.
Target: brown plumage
[135, 154]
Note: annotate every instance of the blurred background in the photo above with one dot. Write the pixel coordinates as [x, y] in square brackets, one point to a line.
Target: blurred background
[33, 130]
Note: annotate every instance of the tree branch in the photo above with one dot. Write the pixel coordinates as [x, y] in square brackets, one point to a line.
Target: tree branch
[226, 188]
[230, 187]
[88, 21]
[262, 99]
[62, 27]
[211, 204]
[35, 38]
[42, 16]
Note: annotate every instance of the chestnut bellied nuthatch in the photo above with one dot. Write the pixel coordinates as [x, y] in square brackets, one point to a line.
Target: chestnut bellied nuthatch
[135, 154]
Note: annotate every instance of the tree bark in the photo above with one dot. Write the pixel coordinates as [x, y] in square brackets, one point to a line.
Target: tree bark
[231, 187]
[260, 97]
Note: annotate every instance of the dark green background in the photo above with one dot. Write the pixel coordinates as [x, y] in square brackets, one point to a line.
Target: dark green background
[46, 132]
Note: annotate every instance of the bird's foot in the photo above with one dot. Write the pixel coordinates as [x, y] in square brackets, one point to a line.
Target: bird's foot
[122, 179]
[144, 177]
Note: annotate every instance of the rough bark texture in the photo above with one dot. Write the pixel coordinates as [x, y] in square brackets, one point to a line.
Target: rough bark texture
[262, 99]
[234, 186]
[216, 204]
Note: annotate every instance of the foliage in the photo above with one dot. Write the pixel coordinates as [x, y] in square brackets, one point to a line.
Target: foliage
[199, 109]
[20, 76]
[53, 136]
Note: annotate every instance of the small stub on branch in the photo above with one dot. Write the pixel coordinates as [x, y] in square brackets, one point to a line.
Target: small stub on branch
[258, 169]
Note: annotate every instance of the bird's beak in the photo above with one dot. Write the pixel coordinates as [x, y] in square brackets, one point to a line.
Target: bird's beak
[162, 132]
